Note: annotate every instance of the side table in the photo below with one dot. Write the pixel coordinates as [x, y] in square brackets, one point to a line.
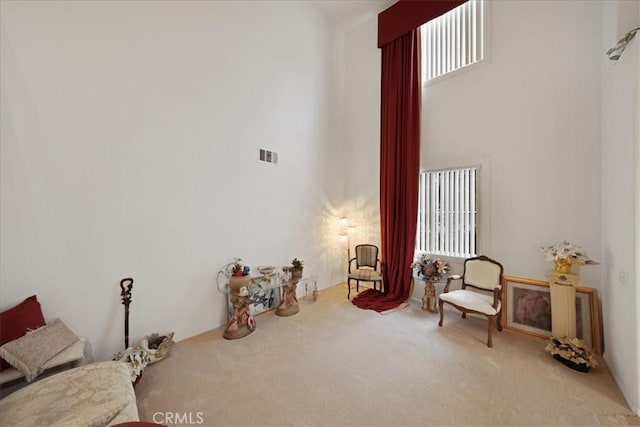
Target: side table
[242, 323]
[429, 300]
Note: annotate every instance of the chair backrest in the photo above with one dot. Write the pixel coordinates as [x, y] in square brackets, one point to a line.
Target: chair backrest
[483, 273]
[366, 256]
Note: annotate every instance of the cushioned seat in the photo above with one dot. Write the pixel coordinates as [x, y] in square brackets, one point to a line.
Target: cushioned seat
[484, 275]
[368, 267]
[473, 301]
[365, 274]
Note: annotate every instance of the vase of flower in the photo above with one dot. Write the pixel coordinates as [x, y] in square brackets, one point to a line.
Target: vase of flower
[563, 266]
[430, 269]
[565, 255]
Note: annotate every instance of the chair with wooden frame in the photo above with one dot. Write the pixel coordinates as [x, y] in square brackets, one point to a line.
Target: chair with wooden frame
[368, 267]
[485, 275]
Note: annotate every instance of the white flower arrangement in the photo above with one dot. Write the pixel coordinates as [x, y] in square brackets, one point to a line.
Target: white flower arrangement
[430, 268]
[137, 359]
[572, 349]
[566, 251]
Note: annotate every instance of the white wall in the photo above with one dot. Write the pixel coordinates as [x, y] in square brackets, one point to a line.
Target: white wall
[130, 133]
[620, 221]
[531, 113]
[362, 131]
[518, 113]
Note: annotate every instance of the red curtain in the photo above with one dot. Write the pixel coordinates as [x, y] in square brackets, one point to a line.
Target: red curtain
[405, 15]
[399, 170]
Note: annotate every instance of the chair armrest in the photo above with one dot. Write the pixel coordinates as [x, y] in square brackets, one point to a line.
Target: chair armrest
[454, 277]
[497, 290]
[350, 261]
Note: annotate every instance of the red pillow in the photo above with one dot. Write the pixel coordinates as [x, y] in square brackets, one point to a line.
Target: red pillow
[16, 321]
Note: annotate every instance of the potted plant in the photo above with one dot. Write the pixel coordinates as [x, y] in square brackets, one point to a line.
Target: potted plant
[572, 352]
[237, 274]
[296, 268]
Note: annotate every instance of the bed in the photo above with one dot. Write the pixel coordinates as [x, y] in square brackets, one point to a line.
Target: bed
[97, 394]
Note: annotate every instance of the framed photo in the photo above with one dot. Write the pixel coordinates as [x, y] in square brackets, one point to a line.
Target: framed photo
[526, 308]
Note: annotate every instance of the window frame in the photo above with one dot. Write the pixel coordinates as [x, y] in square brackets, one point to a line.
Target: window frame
[483, 196]
[486, 53]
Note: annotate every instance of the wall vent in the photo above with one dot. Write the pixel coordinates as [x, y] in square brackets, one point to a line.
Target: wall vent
[268, 156]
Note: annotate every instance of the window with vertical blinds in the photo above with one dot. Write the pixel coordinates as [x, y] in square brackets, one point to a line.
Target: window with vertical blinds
[448, 213]
[453, 40]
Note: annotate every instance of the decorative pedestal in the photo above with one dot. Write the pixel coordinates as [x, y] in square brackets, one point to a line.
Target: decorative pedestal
[563, 303]
[429, 298]
[289, 304]
[241, 323]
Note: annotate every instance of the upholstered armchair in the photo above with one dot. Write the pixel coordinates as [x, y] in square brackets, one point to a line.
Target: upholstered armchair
[485, 276]
[367, 267]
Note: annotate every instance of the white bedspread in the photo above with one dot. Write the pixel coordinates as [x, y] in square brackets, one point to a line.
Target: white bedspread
[97, 394]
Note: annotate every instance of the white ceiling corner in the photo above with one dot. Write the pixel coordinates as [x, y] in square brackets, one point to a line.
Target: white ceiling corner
[347, 14]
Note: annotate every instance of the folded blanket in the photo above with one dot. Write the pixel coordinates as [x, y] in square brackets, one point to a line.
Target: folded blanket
[31, 352]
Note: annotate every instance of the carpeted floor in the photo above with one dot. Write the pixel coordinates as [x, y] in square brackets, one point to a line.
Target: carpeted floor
[333, 364]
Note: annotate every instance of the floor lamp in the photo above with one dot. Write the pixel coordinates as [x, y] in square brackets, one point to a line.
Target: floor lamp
[346, 230]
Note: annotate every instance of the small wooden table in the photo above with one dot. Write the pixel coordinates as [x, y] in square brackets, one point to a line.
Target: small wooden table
[429, 300]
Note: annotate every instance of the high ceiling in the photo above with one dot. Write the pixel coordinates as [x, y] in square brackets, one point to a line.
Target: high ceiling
[345, 14]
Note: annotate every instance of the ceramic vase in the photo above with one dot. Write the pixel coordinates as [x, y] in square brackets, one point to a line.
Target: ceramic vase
[238, 282]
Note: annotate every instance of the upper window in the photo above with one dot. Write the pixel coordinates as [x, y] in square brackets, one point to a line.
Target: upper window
[448, 213]
[453, 40]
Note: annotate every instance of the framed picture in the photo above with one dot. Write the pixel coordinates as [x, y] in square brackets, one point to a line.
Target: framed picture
[588, 323]
[526, 308]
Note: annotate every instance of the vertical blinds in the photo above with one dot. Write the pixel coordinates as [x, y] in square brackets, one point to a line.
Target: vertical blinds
[447, 213]
[453, 40]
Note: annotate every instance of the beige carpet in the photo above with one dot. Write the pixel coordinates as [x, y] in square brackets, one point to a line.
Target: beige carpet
[333, 364]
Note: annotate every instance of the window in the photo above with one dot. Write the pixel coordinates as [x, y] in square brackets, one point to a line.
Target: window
[448, 212]
[453, 40]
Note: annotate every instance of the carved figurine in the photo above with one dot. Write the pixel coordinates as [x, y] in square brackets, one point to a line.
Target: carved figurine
[429, 298]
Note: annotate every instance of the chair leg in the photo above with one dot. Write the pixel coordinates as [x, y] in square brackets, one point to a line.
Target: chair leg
[357, 285]
[464, 315]
[441, 306]
[499, 320]
[489, 341]
[349, 288]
